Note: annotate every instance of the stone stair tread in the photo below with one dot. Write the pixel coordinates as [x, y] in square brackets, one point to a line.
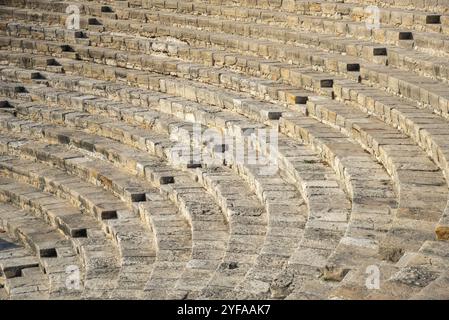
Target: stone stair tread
[94, 121]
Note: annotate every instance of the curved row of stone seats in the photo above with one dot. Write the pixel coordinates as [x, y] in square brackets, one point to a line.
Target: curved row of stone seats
[328, 189]
[163, 279]
[204, 215]
[373, 200]
[274, 183]
[437, 97]
[246, 111]
[356, 25]
[131, 242]
[234, 241]
[384, 35]
[85, 234]
[355, 289]
[303, 6]
[116, 180]
[366, 50]
[425, 128]
[232, 204]
[428, 5]
[20, 275]
[357, 30]
[347, 90]
[433, 93]
[86, 237]
[414, 173]
[247, 220]
[278, 241]
[272, 90]
[241, 204]
[413, 19]
[413, 225]
[259, 88]
[331, 39]
[99, 259]
[288, 144]
[54, 251]
[268, 112]
[443, 100]
[99, 106]
[427, 21]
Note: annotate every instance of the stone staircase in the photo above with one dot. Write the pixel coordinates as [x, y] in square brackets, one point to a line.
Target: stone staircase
[121, 146]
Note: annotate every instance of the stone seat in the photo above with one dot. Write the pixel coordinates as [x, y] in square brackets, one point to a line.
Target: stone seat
[104, 207]
[235, 208]
[357, 29]
[185, 199]
[368, 73]
[314, 177]
[397, 58]
[94, 123]
[395, 146]
[20, 275]
[53, 250]
[55, 154]
[419, 20]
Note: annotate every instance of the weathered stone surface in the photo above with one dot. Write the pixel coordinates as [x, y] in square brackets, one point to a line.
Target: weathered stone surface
[93, 124]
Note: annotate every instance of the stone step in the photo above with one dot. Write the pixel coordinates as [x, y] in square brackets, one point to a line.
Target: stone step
[132, 243]
[354, 28]
[184, 193]
[320, 226]
[373, 200]
[306, 192]
[99, 260]
[312, 7]
[414, 19]
[53, 250]
[100, 173]
[309, 193]
[425, 128]
[330, 26]
[233, 209]
[262, 87]
[394, 150]
[240, 202]
[347, 124]
[432, 68]
[15, 257]
[20, 276]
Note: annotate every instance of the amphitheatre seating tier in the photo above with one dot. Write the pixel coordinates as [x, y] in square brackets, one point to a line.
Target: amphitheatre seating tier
[224, 149]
